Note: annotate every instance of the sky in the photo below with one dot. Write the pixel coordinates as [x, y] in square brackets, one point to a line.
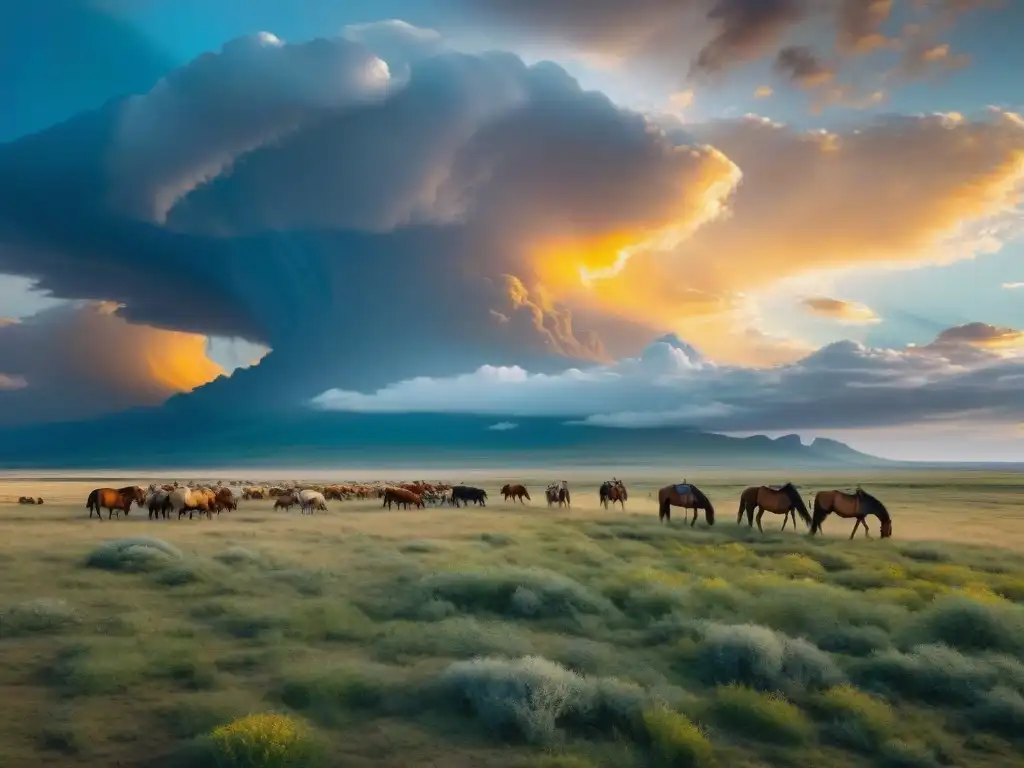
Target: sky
[751, 217]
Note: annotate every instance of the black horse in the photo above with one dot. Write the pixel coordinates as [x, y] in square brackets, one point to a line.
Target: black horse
[467, 493]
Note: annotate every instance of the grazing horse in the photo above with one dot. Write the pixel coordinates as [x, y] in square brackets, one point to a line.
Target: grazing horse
[110, 499]
[611, 491]
[401, 496]
[310, 500]
[858, 505]
[783, 500]
[515, 492]
[685, 495]
[558, 493]
[159, 503]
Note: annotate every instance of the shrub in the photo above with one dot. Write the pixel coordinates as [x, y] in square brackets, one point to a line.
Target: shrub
[854, 641]
[969, 625]
[758, 657]
[264, 741]
[328, 692]
[536, 700]
[1000, 710]
[934, 673]
[132, 555]
[855, 718]
[675, 740]
[37, 617]
[764, 716]
[529, 593]
[902, 754]
[461, 637]
[238, 556]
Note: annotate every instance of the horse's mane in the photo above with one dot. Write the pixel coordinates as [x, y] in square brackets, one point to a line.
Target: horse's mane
[879, 507]
[699, 494]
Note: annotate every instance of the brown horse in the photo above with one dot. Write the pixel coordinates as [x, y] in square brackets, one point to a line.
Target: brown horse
[688, 496]
[858, 506]
[613, 490]
[515, 492]
[401, 496]
[558, 493]
[285, 501]
[110, 499]
[783, 500]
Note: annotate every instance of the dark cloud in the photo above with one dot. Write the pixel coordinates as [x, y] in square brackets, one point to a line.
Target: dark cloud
[963, 375]
[365, 231]
[802, 65]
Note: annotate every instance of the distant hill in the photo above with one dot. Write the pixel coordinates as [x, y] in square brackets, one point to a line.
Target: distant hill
[157, 438]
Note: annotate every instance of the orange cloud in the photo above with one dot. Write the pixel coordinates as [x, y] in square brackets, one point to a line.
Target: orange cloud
[763, 92]
[843, 311]
[112, 363]
[898, 192]
[983, 336]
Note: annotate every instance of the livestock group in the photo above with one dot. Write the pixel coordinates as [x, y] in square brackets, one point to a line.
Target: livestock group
[166, 501]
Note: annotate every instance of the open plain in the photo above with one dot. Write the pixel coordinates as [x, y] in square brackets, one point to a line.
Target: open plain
[519, 635]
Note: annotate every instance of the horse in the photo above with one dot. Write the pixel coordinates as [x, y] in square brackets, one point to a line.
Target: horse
[29, 500]
[467, 493]
[310, 500]
[192, 500]
[784, 500]
[159, 504]
[401, 496]
[224, 499]
[515, 492]
[858, 505]
[558, 493]
[685, 495]
[285, 501]
[611, 491]
[110, 499]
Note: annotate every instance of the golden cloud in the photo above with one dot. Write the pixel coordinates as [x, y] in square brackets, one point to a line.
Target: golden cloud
[114, 364]
[982, 336]
[895, 193]
[837, 309]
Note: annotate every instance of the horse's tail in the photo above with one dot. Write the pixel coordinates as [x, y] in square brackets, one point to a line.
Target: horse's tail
[93, 500]
[820, 513]
[804, 514]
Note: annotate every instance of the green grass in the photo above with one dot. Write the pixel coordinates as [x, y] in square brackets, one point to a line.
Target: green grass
[510, 638]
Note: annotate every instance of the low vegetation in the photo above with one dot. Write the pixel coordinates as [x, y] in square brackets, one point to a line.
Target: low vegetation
[550, 641]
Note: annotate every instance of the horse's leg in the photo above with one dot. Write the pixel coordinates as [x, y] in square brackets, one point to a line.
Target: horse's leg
[855, 527]
[785, 520]
[760, 514]
[867, 533]
[694, 522]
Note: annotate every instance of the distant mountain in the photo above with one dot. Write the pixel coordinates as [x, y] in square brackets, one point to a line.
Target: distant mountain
[156, 438]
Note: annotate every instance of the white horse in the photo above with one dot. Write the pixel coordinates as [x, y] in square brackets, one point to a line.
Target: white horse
[310, 500]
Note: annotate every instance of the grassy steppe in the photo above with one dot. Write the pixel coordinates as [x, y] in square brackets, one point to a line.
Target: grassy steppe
[517, 637]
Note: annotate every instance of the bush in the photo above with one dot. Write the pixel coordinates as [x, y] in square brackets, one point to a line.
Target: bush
[764, 716]
[37, 617]
[901, 754]
[329, 692]
[264, 741]
[970, 625]
[238, 556]
[936, 674]
[760, 658]
[536, 700]
[133, 555]
[854, 641]
[462, 637]
[854, 718]
[1000, 710]
[675, 740]
[530, 593]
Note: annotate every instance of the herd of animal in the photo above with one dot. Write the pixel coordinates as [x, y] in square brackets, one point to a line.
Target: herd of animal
[163, 501]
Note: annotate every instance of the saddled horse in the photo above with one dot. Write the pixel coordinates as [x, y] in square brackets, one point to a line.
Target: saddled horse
[781, 500]
[110, 499]
[613, 490]
[857, 505]
[515, 492]
[688, 496]
[558, 493]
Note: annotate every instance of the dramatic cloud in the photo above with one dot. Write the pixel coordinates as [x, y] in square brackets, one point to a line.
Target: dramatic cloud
[964, 374]
[369, 227]
[813, 201]
[837, 309]
[77, 361]
[293, 196]
[703, 37]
